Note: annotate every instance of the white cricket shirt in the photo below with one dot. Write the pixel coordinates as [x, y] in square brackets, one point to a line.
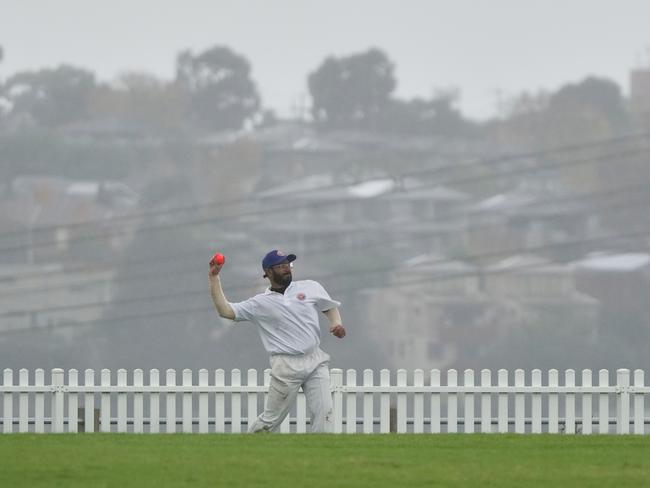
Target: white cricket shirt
[287, 324]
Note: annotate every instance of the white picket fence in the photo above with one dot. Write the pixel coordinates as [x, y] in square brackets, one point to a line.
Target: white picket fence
[211, 405]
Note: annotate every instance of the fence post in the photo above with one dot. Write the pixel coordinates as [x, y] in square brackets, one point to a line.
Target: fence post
[603, 403]
[203, 402]
[57, 401]
[553, 421]
[401, 402]
[368, 407]
[486, 402]
[351, 403]
[337, 382]
[586, 403]
[23, 422]
[468, 414]
[502, 407]
[639, 410]
[89, 402]
[170, 409]
[138, 402]
[105, 402]
[435, 402]
[418, 403]
[235, 404]
[154, 402]
[623, 403]
[121, 401]
[536, 407]
[384, 402]
[39, 402]
[452, 402]
[187, 402]
[520, 403]
[73, 402]
[7, 413]
[220, 402]
[570, 403]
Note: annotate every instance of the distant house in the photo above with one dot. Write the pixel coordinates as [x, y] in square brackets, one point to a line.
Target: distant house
[620, 281]
[55, 214]
[529, 217]
[36, 296]
[426, 312]
[530, 288]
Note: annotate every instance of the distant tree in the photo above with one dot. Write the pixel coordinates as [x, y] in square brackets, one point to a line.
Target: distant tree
[52, 97]
[141, 98]
[352, 91]
[590, 99]
[437, 115]
[221, 93]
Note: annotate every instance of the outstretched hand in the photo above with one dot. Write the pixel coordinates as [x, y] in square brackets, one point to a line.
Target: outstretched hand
[215, 268]
[337, 331]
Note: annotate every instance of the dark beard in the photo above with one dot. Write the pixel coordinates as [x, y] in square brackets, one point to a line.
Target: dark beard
[282, 279]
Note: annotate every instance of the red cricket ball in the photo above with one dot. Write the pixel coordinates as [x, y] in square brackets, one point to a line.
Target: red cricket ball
[218, 259]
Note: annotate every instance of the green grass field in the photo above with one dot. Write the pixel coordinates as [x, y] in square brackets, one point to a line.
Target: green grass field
[113, 460]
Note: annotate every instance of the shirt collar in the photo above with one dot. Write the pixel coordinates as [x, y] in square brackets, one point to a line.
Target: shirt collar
[268, 291]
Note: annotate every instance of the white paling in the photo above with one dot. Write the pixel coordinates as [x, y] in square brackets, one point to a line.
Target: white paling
[351, 403]
[486, 403]
[401, 402]
[89, 402]
[170, 412]
[121, 402]
[138, 403]
[586, 403]
[63, 394]
[187, 402]
[154, 403]
[235, 403]
[418, 403]
[73, 402]
[502, 407]
[468, 414]
[520, 405]
[203, 400]
[639, 408]
[23, 422]
[368, 410]
[252, 397]
[536, 381]
[603, 407]
[105, 414]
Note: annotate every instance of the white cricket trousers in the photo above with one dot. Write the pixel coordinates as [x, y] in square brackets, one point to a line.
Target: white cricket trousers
[288, 374]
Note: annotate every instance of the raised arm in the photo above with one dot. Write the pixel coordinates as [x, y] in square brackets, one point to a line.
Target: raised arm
[336, 327]
[218, 298]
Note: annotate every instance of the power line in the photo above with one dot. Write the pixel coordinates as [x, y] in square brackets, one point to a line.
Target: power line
[187, 311]
[209, 220]
[630, 190]
[385, 269]
[480, 163]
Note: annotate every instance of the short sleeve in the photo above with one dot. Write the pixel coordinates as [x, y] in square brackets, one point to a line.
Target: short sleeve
[244, 310]
[323, 300]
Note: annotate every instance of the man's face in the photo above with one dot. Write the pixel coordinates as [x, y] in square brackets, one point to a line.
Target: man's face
[280, 274]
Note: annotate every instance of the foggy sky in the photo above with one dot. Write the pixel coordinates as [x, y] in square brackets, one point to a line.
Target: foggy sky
[477, 46]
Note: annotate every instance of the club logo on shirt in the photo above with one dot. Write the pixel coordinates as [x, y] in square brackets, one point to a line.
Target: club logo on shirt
[301, 296]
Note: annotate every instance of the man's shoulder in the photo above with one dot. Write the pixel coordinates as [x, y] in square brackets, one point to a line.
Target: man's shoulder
[307, 283]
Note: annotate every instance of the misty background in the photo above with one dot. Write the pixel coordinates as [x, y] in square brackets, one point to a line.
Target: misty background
[470, 182]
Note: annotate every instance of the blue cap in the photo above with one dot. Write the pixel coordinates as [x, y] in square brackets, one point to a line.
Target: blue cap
[276, 257]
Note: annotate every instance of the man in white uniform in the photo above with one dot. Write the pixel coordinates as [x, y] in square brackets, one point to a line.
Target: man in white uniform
[286, 315]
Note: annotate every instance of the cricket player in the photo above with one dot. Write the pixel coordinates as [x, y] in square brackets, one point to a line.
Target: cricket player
[286, 316]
